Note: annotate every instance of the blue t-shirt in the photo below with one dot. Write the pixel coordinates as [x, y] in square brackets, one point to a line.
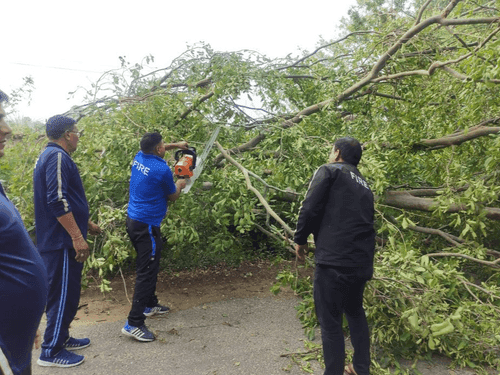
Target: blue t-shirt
[151, 183]
[58, 190]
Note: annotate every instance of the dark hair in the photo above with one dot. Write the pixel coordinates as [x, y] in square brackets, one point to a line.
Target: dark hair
[149, 141]
[57, 125]
[3, 97]
[350, 150]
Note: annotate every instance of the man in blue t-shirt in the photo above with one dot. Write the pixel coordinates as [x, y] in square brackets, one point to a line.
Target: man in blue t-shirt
[23, 281]
[151, 187]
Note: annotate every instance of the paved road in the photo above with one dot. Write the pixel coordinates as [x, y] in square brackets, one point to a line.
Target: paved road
[232, 337]
[239, 336]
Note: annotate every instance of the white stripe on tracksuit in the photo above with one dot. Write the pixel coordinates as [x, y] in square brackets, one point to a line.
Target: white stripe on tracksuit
[59, 182]
[62, 302]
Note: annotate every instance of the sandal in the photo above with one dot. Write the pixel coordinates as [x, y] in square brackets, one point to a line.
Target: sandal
[349, 369]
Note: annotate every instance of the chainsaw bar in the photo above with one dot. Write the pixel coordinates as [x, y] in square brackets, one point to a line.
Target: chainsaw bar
[200, 163]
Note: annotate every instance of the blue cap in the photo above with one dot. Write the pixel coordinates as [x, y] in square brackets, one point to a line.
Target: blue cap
[57, 125]
[3, 97]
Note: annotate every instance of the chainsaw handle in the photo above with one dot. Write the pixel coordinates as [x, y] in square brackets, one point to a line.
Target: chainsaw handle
[189, 151]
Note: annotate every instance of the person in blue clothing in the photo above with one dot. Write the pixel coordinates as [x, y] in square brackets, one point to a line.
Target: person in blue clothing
[151, 187]
[23, 281]
[61, 222]
[338, 210]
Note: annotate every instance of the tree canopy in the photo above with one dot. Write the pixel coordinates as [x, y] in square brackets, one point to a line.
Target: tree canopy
[417, 82]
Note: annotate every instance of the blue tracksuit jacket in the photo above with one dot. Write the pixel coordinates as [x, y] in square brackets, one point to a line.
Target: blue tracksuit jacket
[58, 190]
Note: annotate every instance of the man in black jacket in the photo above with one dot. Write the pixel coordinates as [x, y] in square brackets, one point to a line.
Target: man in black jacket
[338, 210]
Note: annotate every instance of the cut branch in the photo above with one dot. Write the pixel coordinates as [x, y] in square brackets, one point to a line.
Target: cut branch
[404, 200]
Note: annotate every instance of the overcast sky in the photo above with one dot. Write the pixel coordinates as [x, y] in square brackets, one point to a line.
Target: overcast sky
[66, 44]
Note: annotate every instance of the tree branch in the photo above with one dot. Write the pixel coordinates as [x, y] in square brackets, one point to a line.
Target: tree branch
[244, 147]
[463, 136]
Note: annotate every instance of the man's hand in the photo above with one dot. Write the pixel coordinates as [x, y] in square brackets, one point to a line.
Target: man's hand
[183, 145]
[38, 339]
[181, 183]
[82, 249]
[301, 251]
[94, 229]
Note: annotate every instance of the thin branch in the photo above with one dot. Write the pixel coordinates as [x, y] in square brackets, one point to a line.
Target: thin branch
[255, 191]
[436, 50]
[325, 46]
[125, 286]
[275, 237]
[193, 107]
[493, 264]
[455, 241]
[422, 10]
[132, 121]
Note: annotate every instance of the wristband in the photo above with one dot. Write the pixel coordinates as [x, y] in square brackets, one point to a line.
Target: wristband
[75, 238]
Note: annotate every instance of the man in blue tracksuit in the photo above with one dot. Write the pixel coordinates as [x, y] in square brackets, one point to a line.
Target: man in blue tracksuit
[23, 281]
[338, 210]
[62, 222]
[151, 187]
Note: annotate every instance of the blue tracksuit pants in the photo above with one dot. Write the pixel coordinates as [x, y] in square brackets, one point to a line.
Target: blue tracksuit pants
[64, 274]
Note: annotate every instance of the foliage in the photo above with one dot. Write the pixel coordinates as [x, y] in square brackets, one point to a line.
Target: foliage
[416, 81]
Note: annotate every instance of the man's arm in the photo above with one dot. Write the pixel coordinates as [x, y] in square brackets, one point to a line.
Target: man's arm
[79, 244]
[312, 205]
[183, 145]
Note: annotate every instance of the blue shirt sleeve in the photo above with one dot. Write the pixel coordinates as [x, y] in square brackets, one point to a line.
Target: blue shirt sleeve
[56, 177]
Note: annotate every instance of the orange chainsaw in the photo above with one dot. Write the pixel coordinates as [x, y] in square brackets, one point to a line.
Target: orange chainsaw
[185, 162]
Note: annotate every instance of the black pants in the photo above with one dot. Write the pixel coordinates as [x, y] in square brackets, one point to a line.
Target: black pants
[339, 290]
[148, 244]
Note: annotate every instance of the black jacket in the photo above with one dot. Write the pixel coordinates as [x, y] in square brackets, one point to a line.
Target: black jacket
[338, 210]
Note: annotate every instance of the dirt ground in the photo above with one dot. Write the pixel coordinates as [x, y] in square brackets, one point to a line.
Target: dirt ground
[180, 290]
